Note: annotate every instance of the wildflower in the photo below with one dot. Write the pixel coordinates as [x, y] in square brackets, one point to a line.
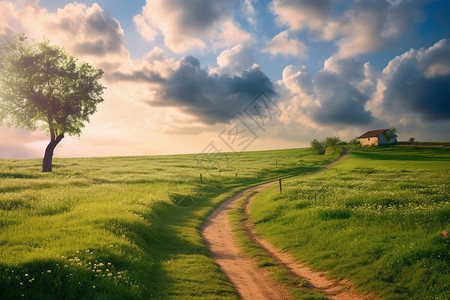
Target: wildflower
[49, 271]
[110, 274]
[26, 275]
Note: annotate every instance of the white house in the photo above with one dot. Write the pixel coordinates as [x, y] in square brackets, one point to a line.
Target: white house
[378, 137]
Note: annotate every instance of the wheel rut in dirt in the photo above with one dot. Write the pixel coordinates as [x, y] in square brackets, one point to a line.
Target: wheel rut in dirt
[254, 283]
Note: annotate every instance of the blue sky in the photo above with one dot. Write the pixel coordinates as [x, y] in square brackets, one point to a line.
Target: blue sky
[178, 72]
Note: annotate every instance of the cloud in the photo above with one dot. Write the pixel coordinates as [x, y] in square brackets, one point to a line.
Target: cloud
[85, 31]
[368, 26]
[235, 60]
[418, 82]
[18, 143]
[281, 44]
[301, 14]
[231, 34]
[190, 24]
[250, 12]
[358, 27]
[341, 103]
[337, 95]
[211, 98]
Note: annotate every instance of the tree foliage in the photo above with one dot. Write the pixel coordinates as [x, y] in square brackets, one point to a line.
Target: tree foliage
[43, 86]
[329, 144]
[319, 147]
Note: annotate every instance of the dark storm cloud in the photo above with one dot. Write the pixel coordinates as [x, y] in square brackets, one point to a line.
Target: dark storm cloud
[341, 103]
[419, 82]
[212, 98]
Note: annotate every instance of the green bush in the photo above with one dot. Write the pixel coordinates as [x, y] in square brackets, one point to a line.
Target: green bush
[318, 147]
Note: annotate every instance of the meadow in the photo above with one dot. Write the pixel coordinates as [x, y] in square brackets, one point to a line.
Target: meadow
[378, 218]
[124, 227]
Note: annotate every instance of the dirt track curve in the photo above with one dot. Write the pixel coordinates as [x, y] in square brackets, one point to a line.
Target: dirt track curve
[251, 282]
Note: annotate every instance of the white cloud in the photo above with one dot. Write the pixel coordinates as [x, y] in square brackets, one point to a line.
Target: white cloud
[188, 25]
[301, 14]
[362, 27]
[281, 44]
[145, 28]
[85, 31]
[231, 34]
[235, 60]
[250, 12]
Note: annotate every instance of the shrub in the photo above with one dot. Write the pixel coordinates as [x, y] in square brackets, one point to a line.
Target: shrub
[318, 147]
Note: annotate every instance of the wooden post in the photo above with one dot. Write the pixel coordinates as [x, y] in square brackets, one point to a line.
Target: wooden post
[201, 178]
[236, 175]
[279, 185]
[276, 164]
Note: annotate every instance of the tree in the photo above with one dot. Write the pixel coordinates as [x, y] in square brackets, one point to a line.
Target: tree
[318, 147]
[411, 140]
[332, 142]
[43, 86]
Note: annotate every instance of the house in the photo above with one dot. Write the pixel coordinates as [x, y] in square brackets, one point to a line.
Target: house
[378, 137]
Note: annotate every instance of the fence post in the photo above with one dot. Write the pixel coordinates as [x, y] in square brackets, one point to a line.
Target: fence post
[279, 185]
[201, 178]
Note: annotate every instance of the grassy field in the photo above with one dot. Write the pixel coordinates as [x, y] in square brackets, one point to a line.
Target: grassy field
[376, 218]
[123, 227]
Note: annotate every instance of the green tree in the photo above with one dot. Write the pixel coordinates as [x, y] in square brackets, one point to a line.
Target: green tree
[332, 142]
[43, 86]
[318, 146]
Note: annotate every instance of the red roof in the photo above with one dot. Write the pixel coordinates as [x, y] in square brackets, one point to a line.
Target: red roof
[374, 133]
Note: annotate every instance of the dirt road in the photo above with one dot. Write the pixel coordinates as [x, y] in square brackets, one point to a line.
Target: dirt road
[249, 281]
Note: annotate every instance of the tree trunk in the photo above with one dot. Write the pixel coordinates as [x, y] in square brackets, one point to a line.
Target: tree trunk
[48, 157]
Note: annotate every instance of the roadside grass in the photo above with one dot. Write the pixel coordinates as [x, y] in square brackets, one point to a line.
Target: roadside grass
[375, 218]
[123, 227]
[297, 287]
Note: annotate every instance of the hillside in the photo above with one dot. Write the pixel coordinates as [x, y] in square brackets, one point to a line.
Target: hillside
[380, 218]
[123, 227]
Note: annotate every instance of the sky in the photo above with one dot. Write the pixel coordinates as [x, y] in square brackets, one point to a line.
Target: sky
[238, 75]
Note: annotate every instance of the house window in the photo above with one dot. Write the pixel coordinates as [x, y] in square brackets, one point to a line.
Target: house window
[368, 139]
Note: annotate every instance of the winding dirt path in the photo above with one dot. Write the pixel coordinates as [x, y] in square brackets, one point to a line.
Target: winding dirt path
[251, 282]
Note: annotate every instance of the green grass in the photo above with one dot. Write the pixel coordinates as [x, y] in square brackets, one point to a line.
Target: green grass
[123, 227]
[375, 218]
